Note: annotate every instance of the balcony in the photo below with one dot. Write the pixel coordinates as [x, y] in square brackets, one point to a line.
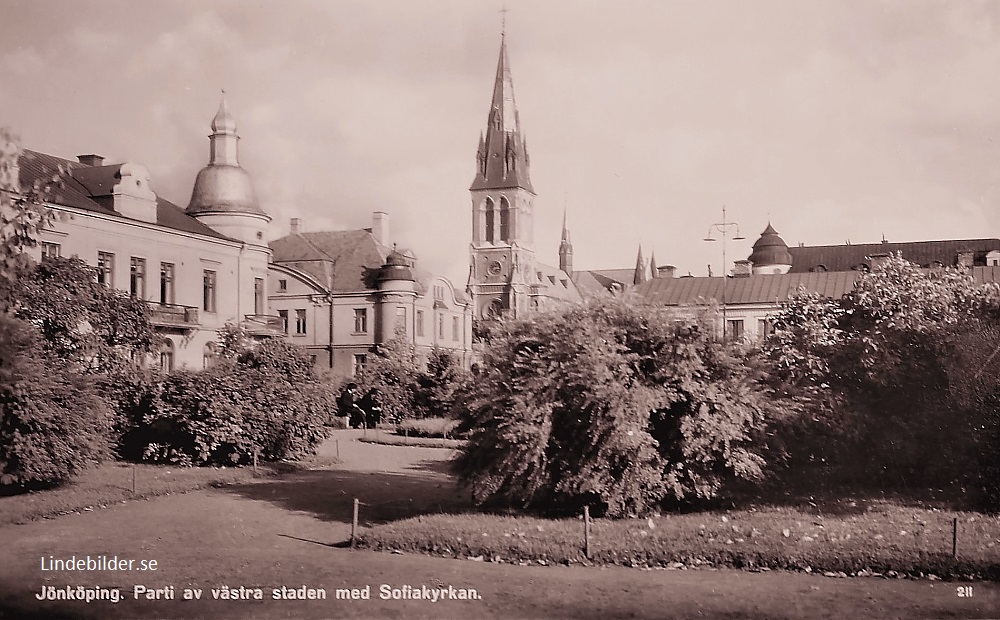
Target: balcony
[263, 325]
[173, 316]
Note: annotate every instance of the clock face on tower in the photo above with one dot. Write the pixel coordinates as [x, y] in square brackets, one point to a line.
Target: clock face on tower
[495, 268]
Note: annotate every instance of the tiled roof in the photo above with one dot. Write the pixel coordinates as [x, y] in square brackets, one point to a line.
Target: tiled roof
[758, 289]
[89, 188]
[556, 283]
[923, 253]
[344, 260]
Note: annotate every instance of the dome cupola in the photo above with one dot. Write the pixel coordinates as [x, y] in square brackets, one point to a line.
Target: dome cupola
[223, 186]
[770, 253]
[396, 267]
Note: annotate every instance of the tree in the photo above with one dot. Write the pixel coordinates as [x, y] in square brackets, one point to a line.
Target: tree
[439, 383]
[394, 369]
[22, 214]
[611, 405]
[98, 328]
[53, 423]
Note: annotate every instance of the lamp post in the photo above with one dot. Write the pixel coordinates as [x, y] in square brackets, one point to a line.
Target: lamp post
[723, 228]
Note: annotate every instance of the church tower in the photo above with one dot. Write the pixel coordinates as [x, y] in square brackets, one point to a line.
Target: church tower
[502, 254]
[566, 250]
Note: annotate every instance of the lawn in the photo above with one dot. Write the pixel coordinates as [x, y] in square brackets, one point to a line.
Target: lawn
[112, 483]
[880, 539]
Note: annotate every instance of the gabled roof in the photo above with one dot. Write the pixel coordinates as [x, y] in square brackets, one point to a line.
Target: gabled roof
[555, 283]
[923, 253]
[89, 188]
[758, 289]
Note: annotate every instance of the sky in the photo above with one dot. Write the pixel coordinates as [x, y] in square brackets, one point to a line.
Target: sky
[834, 120]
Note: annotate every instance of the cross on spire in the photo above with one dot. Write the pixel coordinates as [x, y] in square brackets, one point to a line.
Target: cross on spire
[503, 21]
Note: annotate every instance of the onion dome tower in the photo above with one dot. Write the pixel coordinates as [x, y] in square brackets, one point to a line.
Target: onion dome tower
[223, 196]
[396, 295]
[770, 253]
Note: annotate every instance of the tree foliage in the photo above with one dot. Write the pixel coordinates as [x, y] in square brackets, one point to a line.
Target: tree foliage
[904, 366]
[614, 406]
[96, 327]
[53, 423]
[394, 369]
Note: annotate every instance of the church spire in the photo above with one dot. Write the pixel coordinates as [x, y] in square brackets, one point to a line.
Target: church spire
[503, 155]
[565, 249]
[652, 266]
[640, 269]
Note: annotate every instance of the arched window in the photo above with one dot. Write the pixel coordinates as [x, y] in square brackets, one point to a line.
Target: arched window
[490, 236]
[504, 219]
[167, 356]
[209, 355]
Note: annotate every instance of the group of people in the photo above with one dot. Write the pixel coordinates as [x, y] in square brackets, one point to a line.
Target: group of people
[365, 412]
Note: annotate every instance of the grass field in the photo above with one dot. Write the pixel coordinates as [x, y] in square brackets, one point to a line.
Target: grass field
[112, 483]
[880, 539]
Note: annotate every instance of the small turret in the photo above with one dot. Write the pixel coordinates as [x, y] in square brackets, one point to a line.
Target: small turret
[566, 250]
[770, 253]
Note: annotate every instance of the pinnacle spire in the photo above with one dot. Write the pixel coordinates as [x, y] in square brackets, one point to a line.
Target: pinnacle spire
[652, 265]
[640, 268]
[565, 230]
[223, 121]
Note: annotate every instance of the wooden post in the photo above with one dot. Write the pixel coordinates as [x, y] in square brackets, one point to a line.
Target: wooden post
[338, 449]
[586, 532]
[354, 524]
[133, 479]
[954, 537]
[255, 459]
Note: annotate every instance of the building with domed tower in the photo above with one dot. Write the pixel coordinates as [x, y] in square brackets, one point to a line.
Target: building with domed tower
[749, 294]
[198, 268]
[340, 293]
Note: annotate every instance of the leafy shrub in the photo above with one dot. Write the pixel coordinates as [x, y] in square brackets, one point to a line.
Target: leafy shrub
[54, 425]
[267, 402]
[428, 427]
[613, 406]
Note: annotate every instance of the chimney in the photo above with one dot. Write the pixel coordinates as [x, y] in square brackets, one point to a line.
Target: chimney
[878, 261]
[295, 226]
[965, 259]
[132, 196]
[91, 160]
[742, 268]
[666, 271]
[380, 227]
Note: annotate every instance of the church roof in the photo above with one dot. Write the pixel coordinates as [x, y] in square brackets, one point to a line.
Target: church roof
[923, 253]
[555, 283]
[89, 188]
[757, 289]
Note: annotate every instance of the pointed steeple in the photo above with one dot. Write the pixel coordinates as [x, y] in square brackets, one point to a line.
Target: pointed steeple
[652, 266]
[504, 158]
[565, 249]
[640, 269]
[224, 141]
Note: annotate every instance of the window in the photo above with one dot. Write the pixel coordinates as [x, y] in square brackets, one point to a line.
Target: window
[50, 250]
[438, 292]
[300, 321]
[137, 278]
[282, 285]
[490, 237]
[167, 357]
[764, 328]
[504, 219]
[166, 283]
[441, 326]
[208, 291]
[357, 364]
[283, 315]
[360, 321]
[734, 329]
[401, 319]
[106, 269]
[454, 328]
[420, 322]
[208, 356]
[258, 295]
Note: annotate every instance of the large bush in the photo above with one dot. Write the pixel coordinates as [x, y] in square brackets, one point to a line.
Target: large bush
[267, 402]
[614, 406]
[902, 370]
[53, 423]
